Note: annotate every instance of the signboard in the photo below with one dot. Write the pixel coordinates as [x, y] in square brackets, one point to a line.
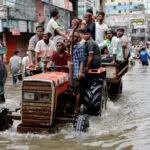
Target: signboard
[31, 27]
[81, 9]
[83, 5]
[15, 32]
[138, 20]
[124, 20]
[22, 26]
[13, 24]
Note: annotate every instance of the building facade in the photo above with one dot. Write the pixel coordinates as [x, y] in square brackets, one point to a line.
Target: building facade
[123, 6]
[129, 14]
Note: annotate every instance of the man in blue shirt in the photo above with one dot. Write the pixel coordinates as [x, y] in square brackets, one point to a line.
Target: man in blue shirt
[78, 59]
[144, 56]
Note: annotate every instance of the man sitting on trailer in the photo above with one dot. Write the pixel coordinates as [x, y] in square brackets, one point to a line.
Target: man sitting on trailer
[124, 42]
[114, 46]
[61, 58]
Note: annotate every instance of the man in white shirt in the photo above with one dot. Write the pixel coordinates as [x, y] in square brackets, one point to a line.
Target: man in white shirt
[32, 43]
[25, 63]
[44, 48]
[52, 26]
[15, 66]
[114, 47]
[124, 42]
[101, 28]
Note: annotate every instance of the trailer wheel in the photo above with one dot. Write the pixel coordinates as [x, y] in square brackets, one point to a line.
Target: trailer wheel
[93, 98]
[81, 123]
[116, 88]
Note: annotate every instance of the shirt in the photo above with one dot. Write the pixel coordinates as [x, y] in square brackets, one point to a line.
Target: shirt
[32, 42]
[116, 48]
[92, 47]
[61, 59]
[91, 26]
[52, 26]
[124, 42]
[78, 57]
[144, 56]
[44, 49]
[14, 63]
[100, 31]
[25, 63]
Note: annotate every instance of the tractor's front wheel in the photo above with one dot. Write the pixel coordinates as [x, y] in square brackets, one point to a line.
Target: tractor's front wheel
[81, 123]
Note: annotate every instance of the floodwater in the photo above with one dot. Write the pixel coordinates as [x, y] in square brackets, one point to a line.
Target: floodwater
[125, 125]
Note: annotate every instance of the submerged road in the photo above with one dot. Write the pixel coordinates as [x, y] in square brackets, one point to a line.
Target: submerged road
[125, 125]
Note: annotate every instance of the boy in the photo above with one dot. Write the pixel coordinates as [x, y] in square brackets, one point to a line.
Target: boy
[61, 57]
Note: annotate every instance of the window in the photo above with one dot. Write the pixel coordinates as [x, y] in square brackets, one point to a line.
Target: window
[134, 31]
[142, 30]
[135, 7]
[114, 7]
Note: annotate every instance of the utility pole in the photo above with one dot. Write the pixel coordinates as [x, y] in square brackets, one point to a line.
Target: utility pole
[101, 2]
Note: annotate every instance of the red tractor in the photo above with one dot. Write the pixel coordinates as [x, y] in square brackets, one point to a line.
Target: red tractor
[48, 101]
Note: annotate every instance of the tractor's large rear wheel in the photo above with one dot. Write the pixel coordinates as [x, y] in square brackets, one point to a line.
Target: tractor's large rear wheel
[95, 97]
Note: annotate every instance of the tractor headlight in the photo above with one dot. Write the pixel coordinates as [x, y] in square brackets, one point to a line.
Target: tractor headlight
[28, 96]
[45, 97]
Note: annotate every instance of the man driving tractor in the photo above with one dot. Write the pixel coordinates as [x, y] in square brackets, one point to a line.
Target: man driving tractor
[61, 57]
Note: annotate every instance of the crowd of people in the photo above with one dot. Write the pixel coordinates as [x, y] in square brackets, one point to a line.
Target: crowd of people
[85, 45]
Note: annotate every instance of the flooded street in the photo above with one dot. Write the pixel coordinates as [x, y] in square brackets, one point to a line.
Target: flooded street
[124, 126]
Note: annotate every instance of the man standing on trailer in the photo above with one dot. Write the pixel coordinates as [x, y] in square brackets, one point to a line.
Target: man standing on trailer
[124, 42]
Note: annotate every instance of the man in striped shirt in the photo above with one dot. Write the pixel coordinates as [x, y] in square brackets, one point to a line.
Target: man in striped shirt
[32, 43]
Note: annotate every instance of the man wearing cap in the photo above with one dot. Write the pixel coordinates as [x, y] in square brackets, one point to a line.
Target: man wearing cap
[92, 51]
[44, 48]
[124, 42]
[101, 28]
[61, 57]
